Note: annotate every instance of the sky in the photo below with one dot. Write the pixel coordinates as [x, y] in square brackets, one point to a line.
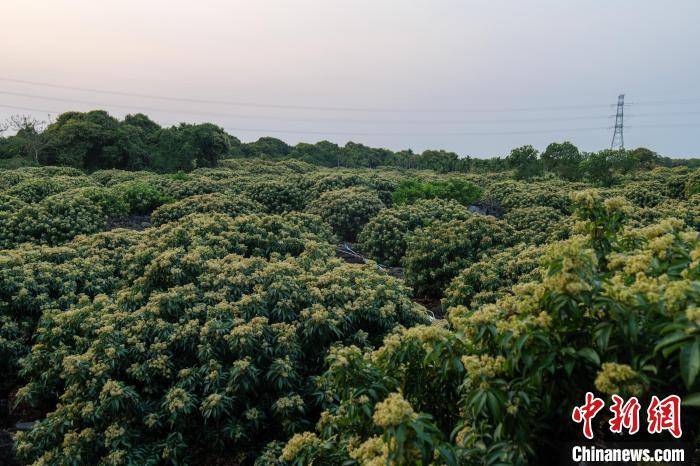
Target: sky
[477, 77]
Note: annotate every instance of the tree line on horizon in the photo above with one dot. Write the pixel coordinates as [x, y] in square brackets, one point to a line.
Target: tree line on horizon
[95, 140]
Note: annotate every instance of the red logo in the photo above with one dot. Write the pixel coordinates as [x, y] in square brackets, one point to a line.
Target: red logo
[662, 415]
[625, 415]
[587, 412]
[665, 415]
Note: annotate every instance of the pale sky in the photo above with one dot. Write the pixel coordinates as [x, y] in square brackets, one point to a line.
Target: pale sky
[475, 77]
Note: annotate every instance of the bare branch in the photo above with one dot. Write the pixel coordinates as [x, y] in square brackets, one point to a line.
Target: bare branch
[32, 131]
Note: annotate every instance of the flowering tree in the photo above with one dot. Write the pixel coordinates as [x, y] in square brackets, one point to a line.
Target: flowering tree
[615, 312]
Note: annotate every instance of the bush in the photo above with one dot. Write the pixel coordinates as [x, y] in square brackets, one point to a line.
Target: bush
[141, 196]
[214, 358]
[10, 203]
[492, 277]
[499, 381]
[648, 194]
[462, 191]
[54, 220]
[514, 194]
[692, 185]
[347, 210]
[111, 201]
[436, 254]
[231, 205]
[9, 178]
[688, 211]
[537, 225]
[34, 190]
[114, 176]
[671, 181]
[266, 167]
[384, 237]
[38, 278]
[323, 181]
[186, 185]
[278, 196]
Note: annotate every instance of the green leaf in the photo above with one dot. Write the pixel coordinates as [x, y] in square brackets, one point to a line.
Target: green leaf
[569, 366]
[671, 339]
[603, 336]
[692, 400]
[690, 362]
[590, 354]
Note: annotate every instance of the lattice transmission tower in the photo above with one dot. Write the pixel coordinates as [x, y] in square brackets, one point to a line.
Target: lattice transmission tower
[618, 139]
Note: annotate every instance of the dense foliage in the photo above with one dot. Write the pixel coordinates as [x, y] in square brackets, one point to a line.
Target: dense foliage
[95, 140]
[537, 225]
[384, 236]
[615, 312]
[347, 210]
[435, 254]
[217, 360]
[202, 317]
[229, 204]
[493, 277]
[462, 191]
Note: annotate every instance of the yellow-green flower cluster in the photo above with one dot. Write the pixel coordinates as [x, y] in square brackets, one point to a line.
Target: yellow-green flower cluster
[616, 379]
[372, 452]
[482, 368]
[393, 411]
[298, 443]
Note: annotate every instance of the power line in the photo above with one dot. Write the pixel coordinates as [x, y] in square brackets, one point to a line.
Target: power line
[320, 120]
[460, 133]
[27, 109]
[326, 120]
[412, 133]
[645, 115]
[688, 101]
[673, 125]
[360, 133]
[299, 107]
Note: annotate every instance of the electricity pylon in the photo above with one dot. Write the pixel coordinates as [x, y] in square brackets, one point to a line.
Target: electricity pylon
[618, 140]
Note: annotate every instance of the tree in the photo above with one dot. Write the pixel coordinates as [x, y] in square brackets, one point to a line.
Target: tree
[10, 146]
[599, 166]
[186, 147]
[267, 147]
[624, 161]
[438, 160]
[94, 140]
[646, 158]
[142, 121]
[563, 159]
[31, 133]
[405, 159]
[359, 155]
[526, 162]
[464, 164]
[323, 153]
